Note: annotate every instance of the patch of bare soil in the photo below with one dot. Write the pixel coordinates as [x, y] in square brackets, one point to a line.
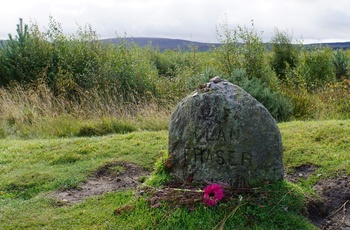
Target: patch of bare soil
[301, 172]
[332, 210]
[111, 177]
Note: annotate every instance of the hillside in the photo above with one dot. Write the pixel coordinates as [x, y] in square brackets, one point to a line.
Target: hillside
[164, 43]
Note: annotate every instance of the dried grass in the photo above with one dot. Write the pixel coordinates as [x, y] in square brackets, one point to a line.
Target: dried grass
[36, 111]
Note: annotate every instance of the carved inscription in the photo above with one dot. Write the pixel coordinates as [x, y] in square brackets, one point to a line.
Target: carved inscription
[203, 156]
[217, 133]
[220, 156]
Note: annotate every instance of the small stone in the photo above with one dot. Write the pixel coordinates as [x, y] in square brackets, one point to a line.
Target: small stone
[216, 79]
[142, 192]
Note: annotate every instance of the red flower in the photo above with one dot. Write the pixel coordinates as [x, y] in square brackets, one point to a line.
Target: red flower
[212, 194]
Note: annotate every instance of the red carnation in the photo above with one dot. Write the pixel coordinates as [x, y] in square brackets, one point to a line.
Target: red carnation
[212, 194]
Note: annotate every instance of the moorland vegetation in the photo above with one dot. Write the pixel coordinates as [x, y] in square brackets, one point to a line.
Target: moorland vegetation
[49, 80]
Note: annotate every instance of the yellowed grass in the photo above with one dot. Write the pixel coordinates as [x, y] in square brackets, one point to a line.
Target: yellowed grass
[38, 112]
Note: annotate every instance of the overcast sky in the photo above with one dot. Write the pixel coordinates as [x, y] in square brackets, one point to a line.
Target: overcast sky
[311, 20]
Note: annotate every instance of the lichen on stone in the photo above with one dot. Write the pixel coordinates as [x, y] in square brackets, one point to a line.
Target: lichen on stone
[223, 134]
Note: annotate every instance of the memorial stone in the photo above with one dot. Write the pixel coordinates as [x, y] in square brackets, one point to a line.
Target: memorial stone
[221, 134]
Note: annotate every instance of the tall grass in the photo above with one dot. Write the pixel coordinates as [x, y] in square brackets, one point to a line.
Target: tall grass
[37, 112]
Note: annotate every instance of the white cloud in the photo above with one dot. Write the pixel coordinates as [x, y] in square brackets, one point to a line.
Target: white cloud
[314, 20]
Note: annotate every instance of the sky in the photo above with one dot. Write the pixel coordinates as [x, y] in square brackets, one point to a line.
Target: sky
[307, 21]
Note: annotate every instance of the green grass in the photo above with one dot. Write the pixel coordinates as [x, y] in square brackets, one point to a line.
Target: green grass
[32, 166]
[30, 169]
[70, 126]
[325, 144]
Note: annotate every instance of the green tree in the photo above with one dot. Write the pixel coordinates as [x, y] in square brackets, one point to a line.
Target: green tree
[25, 57]
[284, 53]
[228, 54]
[340, 62]
[241, 48]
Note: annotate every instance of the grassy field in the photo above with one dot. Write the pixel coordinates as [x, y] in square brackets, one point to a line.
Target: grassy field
[32, 169]
[78, 115]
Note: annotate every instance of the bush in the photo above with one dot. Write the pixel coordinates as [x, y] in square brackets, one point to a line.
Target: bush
[284, 54]
[241, 48]
[277, 104]
[127, 73]
[72, 65]
[304, 103]
[316, 67]
[340, 62]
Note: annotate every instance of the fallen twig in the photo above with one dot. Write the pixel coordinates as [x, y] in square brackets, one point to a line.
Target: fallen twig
[340, 208]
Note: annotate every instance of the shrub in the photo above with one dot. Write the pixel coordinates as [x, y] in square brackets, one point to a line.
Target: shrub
[253, 54]
[340, 62]
[242, 48]
[78, 62]
[304, 103]
[124, 71]
[184, 77]
[316, 67]
[72, 65]
[277, 104]
[228, 54]
[165, 62]
[171, 63]
[284, 53]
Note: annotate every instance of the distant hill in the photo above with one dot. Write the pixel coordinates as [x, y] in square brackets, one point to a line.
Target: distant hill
[333, 45]
[164, 43]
